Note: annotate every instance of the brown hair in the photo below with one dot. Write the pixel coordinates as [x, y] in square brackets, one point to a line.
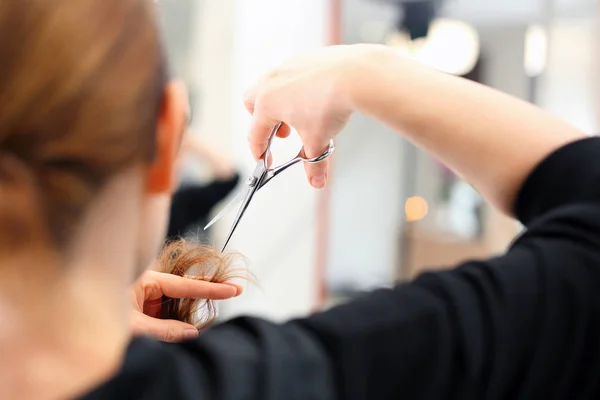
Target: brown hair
[182, 258]
[82, 87]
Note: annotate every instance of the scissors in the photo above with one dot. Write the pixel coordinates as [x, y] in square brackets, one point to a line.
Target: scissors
[260, 177]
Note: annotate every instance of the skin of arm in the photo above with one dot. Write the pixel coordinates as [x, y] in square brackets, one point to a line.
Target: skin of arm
[491, 139]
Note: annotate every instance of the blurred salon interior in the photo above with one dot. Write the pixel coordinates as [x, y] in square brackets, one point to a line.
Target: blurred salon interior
[389, 211]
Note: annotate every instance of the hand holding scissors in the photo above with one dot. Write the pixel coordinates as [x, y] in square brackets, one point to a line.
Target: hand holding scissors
[260, 177]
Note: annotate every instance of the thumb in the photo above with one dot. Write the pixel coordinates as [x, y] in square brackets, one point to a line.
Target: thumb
[316, 172]
[166, 330]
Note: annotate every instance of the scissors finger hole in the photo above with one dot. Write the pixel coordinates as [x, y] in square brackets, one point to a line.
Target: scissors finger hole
[320, 158]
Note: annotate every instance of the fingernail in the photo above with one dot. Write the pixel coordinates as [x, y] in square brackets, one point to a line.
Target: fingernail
[234, 290]
[318, 181]
[238, 288]
[190, 334]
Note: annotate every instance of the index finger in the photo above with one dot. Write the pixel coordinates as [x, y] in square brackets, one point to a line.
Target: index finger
[260, 130]
[261, 126]
[187, 288]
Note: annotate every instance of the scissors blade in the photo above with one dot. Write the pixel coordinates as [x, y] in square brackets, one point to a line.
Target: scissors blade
[254, 182]
[249, 195]
[236, 200]
[251, 183]
[245, 195]
[238, 218]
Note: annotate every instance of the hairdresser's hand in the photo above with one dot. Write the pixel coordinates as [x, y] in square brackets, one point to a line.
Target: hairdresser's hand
[312, 93]
[147, 295]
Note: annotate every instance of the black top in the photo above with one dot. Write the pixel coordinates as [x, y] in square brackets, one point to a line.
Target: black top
[192, 204]
[525, 325]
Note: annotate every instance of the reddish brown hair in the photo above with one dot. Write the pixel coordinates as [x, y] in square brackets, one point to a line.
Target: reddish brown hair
[82, 85]
[182, 258]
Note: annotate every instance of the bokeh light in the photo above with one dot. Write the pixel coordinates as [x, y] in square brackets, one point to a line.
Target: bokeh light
[415, 208]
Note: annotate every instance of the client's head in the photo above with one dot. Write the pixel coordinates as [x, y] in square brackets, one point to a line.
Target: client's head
[89, 131]
[90, 128]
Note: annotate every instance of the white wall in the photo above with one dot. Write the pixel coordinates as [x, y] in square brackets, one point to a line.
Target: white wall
[569, 87]
[486, 13]
[504, 69]
[210, 68]
[367, 202]
[367, 207]
[277, 233]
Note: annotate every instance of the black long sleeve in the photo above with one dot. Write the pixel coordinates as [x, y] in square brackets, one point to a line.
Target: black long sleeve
[191, 205]
[525, 325]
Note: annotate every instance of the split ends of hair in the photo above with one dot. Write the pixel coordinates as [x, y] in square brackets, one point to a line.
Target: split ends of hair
[186, 259]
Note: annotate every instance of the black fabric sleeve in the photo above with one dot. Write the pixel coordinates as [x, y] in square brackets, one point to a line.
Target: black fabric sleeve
[217, 190]
[191, 205]
[570, 175]
[521, 326]
[525, 325]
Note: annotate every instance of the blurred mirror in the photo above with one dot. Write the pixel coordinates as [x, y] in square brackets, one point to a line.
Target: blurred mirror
[390, 211]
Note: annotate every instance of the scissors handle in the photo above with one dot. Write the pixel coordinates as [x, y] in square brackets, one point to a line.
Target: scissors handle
[300, 158]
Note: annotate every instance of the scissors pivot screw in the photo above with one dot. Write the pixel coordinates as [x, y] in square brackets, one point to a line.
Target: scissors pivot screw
[252, 180]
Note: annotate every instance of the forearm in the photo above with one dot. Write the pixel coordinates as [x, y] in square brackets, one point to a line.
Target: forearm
[221, 167]
[493, 140]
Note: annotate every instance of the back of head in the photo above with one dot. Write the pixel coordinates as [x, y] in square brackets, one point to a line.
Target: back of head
[82, 84]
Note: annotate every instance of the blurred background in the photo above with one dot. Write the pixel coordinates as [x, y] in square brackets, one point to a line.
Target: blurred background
[390, 211]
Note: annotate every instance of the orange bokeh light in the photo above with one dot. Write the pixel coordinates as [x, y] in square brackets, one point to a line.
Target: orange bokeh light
[415, 208]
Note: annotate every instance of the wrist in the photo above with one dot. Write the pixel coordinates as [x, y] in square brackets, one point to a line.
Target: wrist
[367, 74]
